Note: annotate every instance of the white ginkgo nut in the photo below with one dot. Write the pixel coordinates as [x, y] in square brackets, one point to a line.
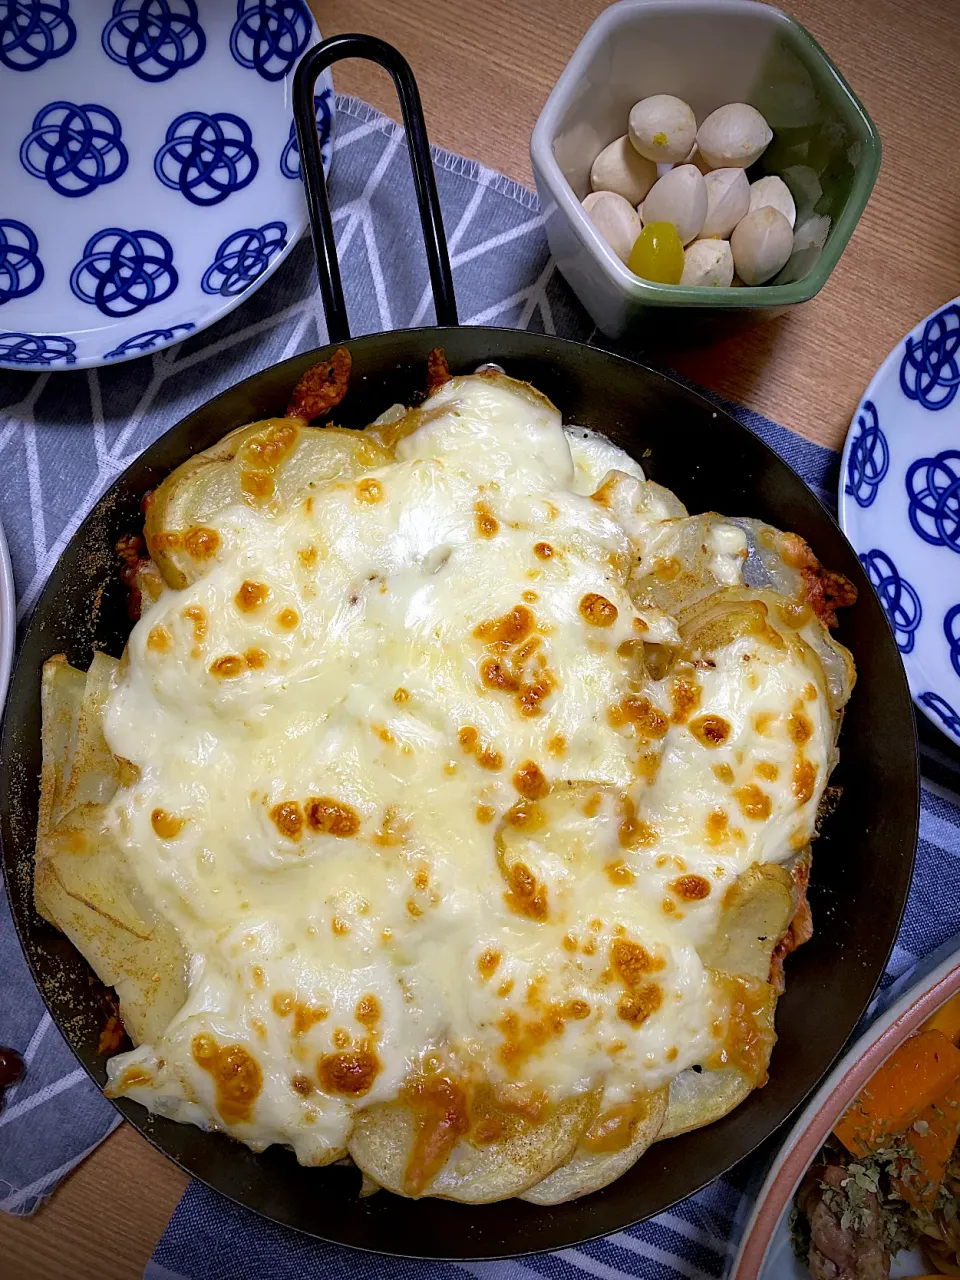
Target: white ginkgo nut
[733, 136]
[773, 192]
[708, 263]
[728, 200]
[616, 220]
[761, 243]
[662, 128]
[621, 168]
[679, 197]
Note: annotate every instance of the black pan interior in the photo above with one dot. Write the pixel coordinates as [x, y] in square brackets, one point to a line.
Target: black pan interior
[863, 860]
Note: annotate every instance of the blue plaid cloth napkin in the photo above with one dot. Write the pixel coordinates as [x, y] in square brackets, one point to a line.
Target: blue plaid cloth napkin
[63, 439]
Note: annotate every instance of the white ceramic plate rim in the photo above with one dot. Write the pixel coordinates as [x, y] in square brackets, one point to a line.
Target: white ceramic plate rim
[849, 522]
[215, 312]
[841, 1086]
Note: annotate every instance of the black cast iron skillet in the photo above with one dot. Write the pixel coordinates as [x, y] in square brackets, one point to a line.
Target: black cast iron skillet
[863, 860]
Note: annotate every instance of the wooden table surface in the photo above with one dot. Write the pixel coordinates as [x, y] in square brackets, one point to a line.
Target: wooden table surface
[484, 72]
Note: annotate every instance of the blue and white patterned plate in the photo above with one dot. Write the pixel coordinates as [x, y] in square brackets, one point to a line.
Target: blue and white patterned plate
[150, 169]
[900, 506]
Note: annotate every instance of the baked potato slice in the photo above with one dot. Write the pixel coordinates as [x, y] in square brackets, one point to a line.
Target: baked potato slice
[267, 466]
[629, 1130]
[698, 1098]
[755, 914]
[82, 886]
[93, 774]
[61, 697]
[505, 1150]
[81, 882]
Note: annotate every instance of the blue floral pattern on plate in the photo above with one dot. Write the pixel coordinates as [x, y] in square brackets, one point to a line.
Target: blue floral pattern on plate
[206, 157]
[21, 271]
[154, 38]
[74, 149]
[34, 31]
[147, 341]
[869, 457]
[928, 370]
[269, 35]
[121, 272]
[35, 350]
[151, 173]
[900, 491]
[900, 602]
[243, 258]
[933, 491]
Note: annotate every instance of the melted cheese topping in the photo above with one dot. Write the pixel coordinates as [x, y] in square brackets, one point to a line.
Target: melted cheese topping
[404, 787]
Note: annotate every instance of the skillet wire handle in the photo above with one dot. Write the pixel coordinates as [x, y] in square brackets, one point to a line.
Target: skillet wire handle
[311, 65]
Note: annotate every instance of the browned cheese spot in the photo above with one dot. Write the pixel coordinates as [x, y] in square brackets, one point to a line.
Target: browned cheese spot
[228, 667]
[159, 640]
[167, 825]
[236, 1075]
[798, 726]
[282, 1003]
[351, 1073]
[804, 779]
[631, 962]
[747, 1039]
[723, 773]
[401, 695]
[306, 1016]
[308, 557]
[526, 815]
[287, 816]
[485, 814]
[685, 696]
[754, 803]
[543, 551]
[718, 826]
[486, 522]
[614, 1130]
[529, 780]
[711, 731]
[331, 817]
[367, 1012]
[369, 491]
[619, 873]
[288, 619]
[648, 721]
[341, 1038]
[597, 610]
[529, 597]
[487, 963]
[340, 926]
[635, 1007]
[690, 888]
[442, 1117]
[634, 832]
[201, 544]
[763, 721]
[768, 770]
[255, 659]
[526, 895]
[509, 629]
[557, 744]
[303, 1085]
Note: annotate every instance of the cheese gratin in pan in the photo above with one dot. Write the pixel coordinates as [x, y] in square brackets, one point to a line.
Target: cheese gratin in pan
[863, 857]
